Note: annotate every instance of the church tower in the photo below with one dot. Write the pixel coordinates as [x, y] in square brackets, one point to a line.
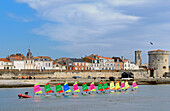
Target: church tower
[29, 54]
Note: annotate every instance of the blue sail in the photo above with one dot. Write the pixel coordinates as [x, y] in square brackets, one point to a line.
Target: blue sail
[66, 88]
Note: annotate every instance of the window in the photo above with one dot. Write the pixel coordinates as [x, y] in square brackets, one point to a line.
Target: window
[76, 68]
[79, 68]
[107, 64]
[49, 64]
[112, 68]
[82, 68]
[165, 60]
[117, 65]
[164, 67]
[31, 62]
[158, 59]
[152, 60]
[111, 64]
[26, 62]
[75, 63]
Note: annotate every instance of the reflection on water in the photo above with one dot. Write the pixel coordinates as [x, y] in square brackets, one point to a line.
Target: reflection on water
[146, 98]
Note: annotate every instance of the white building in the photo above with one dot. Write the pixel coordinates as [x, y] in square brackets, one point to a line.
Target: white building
[18, 64]
[43, 63]
[29, 64]
[5, 64]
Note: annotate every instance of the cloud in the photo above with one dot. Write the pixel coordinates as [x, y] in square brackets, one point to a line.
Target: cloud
[91, 26]
[18, 18]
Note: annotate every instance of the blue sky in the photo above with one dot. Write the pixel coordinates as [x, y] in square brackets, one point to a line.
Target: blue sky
[75, 28]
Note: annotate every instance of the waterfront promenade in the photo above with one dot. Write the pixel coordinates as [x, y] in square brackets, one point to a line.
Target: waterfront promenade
[11, 83]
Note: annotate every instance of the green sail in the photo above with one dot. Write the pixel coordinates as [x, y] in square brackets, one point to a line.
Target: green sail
[106, 86]
[59, 88]
[100, 87]
[48, 88]
[85, 88]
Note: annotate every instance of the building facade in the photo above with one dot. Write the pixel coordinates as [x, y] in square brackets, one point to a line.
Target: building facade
[138, 58]
[158, 62]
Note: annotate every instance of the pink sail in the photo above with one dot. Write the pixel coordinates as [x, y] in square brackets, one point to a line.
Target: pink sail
[92, 86]
[37, 88]
[134, 84]
[122, 85]
[75, 87]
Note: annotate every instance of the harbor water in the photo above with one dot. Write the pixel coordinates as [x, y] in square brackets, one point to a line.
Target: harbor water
[146, 98]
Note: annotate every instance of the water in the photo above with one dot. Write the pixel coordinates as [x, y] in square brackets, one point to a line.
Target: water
[146, 98]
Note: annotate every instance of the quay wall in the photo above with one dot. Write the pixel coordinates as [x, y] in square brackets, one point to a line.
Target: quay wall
[8, 74]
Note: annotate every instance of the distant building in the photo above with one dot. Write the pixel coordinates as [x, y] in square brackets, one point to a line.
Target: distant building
[43, 62]
[105, 63]
[127, 64]
[75, 64]
[91, 63]
[29, 63]
[29, 54]
[60, 64]
[5, 64]
[119, 65]
[17, 60]
[158, 62]
[138, 58]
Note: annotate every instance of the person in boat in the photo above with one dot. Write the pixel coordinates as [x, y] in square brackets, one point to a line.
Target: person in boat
[26, 93]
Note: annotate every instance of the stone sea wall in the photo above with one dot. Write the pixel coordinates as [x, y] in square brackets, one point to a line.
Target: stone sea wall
[8, 74]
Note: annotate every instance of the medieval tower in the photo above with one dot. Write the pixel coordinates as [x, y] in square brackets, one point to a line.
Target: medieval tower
[138, 58]
[158, 62]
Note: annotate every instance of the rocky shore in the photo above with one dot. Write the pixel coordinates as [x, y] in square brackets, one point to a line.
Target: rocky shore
[10, 83]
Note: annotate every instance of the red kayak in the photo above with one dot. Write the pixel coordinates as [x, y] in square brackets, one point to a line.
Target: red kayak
[24, 96]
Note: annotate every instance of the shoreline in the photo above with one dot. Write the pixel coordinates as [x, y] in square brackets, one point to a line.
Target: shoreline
[6, 83]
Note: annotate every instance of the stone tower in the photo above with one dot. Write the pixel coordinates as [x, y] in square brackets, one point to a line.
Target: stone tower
[29, 54]
[138, 58]
[158, 62]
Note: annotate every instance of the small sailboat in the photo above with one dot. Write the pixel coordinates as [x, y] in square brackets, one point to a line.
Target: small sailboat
[122, 85]
[75, 88]
[85, 88]
[112, 87]
[48, 89]
[37, 89]
[92, 87]
[100, 88]
[134, 86]
[106, 88]
[126, 85]
[67, 89]
[117, 86]
[59, 89]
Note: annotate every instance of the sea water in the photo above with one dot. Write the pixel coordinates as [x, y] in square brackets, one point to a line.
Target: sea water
[146, 98]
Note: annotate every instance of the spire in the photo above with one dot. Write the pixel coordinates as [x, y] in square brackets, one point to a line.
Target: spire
[29, 54]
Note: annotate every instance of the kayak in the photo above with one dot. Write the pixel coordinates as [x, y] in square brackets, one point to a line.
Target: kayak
[24, 96]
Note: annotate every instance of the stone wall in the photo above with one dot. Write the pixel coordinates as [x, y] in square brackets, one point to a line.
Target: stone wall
[70, 74]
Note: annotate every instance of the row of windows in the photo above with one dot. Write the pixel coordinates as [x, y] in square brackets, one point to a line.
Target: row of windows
[27, 62]
[4, 64]
[79, 64]
[159, 60]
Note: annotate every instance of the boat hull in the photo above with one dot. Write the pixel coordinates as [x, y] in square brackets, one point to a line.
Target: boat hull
[24, 96]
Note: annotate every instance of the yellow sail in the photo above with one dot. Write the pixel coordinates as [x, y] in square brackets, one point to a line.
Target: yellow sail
[117, 85]
[112, 86]
[127, 85]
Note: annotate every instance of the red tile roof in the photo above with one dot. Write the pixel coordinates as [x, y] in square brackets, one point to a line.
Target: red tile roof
[158, 50]
[105, 57]
[15, 58]
[91, 58]
[4, 59]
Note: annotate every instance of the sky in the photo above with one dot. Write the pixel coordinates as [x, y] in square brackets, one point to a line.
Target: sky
[76, 28]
